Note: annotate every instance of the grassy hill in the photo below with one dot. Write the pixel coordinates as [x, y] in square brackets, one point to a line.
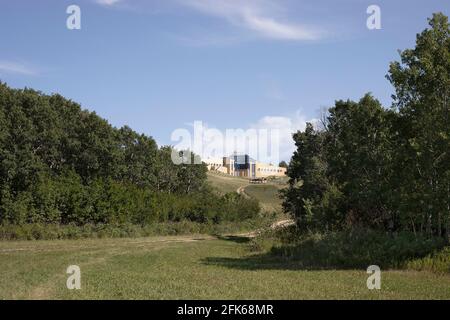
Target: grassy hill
[267, 194]
[224, 183]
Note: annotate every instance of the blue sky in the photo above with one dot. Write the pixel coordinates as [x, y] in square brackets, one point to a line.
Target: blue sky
[158, 65]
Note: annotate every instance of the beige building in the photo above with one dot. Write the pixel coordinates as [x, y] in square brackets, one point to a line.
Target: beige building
[216, 164]
[243, 166]
[264, 170]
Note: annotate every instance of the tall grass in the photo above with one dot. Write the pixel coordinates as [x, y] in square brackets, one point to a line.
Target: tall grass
[38, 231]
[356, 249]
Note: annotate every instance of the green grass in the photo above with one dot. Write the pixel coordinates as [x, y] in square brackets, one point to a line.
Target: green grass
[266, 194]
[224, 183]
[188, 267]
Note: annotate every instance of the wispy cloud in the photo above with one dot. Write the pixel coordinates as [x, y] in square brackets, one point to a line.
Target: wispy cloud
[263, 17]
[108, 2]
[16, 68]
[266, 19]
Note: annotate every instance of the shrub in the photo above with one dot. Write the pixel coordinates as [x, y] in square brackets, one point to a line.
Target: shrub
[358, 249]
[438, 261]
[37, 231]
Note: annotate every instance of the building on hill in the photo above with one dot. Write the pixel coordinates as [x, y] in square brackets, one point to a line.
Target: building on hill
[268, 170]
[216, 164]
[243, 166]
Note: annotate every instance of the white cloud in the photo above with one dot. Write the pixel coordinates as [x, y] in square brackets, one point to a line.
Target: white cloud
[268, 140]
[286, 126]
[16, 68]
[264, 17]
[107, 2]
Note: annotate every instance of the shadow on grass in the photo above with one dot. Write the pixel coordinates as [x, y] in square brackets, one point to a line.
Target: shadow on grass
[344, 251]
[271, 261]
[237, 239]
[255, 262]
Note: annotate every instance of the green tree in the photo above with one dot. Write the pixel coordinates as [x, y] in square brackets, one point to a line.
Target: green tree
[358, 157]
[62, 164]
[283, 164]
[422, 89]
[309, 185]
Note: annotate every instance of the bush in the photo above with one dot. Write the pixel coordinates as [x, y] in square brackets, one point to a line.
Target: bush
[103, 201]
[438, 262]
[357, 249]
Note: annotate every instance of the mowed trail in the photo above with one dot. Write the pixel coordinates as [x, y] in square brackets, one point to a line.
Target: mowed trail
[35, 269]
[280, 224]
[283, 223]
[89, 244]
[151, 267]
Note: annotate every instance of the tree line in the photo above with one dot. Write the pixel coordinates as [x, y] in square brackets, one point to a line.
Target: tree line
[62, 164]
[373, 167]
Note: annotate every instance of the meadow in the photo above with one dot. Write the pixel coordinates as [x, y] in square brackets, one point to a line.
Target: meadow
[189, 267]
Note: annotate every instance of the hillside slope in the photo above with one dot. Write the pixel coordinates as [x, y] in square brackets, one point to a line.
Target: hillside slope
[266, 194]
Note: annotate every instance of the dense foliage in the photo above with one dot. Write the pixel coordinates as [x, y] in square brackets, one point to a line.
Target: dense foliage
[350, 249]
[386, 169]
[62, 164]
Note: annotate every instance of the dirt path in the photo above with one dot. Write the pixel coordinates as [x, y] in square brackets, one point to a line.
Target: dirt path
[12, 247]
[90, 244]
[282, 224]
[7, 247]
[276, 225]
[241, 190]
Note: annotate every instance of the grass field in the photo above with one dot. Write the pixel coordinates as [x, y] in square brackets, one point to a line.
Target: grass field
[187, 267]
